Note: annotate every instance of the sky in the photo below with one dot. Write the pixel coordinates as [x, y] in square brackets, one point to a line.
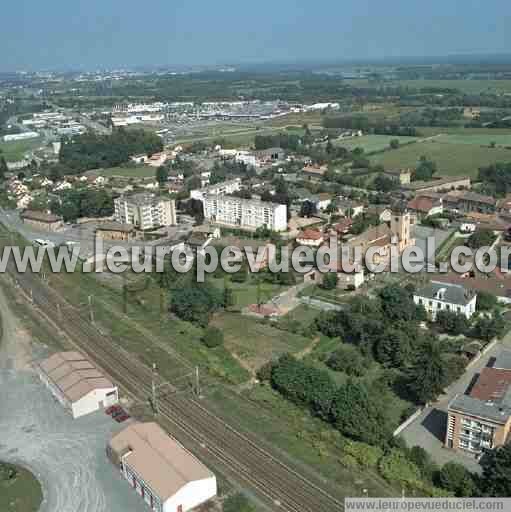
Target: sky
[92, 34]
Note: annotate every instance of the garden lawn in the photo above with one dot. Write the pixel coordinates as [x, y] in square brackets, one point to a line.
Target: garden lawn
[372, 143]
[22, 494]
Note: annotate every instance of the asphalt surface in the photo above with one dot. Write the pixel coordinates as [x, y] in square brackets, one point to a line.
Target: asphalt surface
[66, 455]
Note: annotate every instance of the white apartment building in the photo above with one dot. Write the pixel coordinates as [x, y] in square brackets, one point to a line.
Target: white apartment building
[145, 211]
[245, 213]
[226, 187]
[440, 296]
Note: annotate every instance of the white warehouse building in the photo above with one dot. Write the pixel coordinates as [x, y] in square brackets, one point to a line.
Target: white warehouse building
[76, 383]
[245, 213]
[440, 296]
[164, 474]
[145, 211]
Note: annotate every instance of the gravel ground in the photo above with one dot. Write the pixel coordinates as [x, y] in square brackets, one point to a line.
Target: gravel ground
[66, 455]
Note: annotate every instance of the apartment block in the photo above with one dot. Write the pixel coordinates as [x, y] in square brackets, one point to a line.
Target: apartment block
[145, 211]
[225, 187]
[245, 213]
[481, 419]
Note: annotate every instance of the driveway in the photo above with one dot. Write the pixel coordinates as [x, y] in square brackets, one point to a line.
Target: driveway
[428, 430]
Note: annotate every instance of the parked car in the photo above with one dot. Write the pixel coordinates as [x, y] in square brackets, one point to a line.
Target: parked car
[122, 417]
[112, 409]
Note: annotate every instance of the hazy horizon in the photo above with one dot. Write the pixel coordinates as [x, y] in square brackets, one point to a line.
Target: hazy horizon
[115, 34]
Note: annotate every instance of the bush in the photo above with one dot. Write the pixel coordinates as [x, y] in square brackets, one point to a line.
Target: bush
[396, 467]
[348, 359]
[213, 337]
[329, 281]
[365, 455]
[238, 503]
[452, 323]
[455, 478]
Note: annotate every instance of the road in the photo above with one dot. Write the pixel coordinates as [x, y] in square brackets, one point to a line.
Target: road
[236, 454]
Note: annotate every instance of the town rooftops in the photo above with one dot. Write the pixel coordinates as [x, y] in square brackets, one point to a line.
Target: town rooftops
[141, 198]
[73, 375]
[446, 292]
[447, 181]
[471, 197]
[40, 216]
[163, 464]
[492, 384]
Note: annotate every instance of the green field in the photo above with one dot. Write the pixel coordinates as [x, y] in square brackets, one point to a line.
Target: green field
[256, 343]
[480, 140]
[372, 143]
[451, 159]
[14, 151]
[21, 494]
[430, 131]
[130, 172]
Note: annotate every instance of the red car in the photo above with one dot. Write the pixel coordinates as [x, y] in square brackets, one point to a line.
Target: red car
[113, 409]
[122, 417]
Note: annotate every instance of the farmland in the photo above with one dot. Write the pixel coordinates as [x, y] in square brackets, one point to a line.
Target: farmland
[14, 151]
[452, 159]
[130, 172]
[372, 143]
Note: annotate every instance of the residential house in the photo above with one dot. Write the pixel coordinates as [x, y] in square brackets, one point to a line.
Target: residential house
[425, 206]
[116, 231]
[310, 238]
[401, 176]
[42, 221]
[466, 202]
[441, 296]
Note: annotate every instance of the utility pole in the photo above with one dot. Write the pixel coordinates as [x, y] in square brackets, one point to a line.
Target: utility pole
[153, 390]
[91, 310]
[197, 382]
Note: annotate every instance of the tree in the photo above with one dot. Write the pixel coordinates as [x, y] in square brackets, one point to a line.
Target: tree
[213, 337]
[162, 175]
[428, 375]
[195, 302]
[452, 323]
[3, 168]
[496, 481]
[455, 478]
[394, 144]
[348, 359]
[488, 328]
[329, 281]
[486, 301]
[358, 415]
[394, 348]
[425, 169]
[481, 238]
[384, 183]
[308, 209]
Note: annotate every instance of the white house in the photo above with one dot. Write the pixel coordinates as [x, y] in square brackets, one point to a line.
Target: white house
[76, 383]
[440, 296]
[161, 471]
[310, 238]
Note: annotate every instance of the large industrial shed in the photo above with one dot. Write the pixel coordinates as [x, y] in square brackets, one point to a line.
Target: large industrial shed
[76, 383]
[162, 472]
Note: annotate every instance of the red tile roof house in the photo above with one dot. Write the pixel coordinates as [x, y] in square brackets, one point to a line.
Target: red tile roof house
[310, 238]
[426, 206]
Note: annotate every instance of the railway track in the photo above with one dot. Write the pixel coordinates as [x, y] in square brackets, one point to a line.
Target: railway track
[278, 485]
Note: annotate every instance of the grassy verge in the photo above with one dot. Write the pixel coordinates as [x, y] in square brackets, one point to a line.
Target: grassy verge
[21, 493]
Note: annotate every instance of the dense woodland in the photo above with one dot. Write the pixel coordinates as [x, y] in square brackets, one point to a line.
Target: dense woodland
[91, 151]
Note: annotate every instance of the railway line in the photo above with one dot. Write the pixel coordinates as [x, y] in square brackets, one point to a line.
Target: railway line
[279, 486]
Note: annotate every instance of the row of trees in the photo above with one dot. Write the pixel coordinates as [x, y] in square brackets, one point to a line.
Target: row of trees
[83, 202]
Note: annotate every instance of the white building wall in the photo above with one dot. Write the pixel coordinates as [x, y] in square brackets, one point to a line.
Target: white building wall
[93, 401]
[433, 306]
[192, 495]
